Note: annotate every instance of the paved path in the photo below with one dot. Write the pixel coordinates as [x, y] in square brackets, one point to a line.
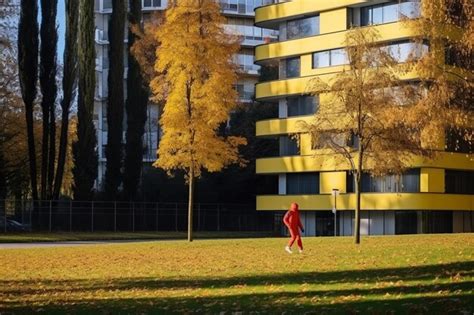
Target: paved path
[66, 244]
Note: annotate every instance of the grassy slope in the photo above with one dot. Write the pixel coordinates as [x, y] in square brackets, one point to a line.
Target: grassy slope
[432, 274]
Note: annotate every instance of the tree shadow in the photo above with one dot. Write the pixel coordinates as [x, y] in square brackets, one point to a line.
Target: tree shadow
[373, 291]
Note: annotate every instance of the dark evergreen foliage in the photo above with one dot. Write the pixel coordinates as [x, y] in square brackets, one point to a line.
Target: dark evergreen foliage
[28, 72]
[136, 107]
[84, 150]
[115, 103]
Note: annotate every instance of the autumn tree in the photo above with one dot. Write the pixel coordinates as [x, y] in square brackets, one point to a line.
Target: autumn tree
[69, 88]
[84, 150]
[115, 100]
[447, 71]
[28, 73]
[368, 116]
[195, 79]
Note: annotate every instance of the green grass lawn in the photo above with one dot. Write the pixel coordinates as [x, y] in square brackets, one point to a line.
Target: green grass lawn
[431, 274]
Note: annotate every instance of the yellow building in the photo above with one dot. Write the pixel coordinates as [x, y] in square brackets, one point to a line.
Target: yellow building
[433, 197]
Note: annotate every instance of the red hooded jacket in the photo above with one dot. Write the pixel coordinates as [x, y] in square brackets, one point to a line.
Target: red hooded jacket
[292, 218]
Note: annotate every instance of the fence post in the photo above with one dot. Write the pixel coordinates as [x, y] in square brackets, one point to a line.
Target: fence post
[70, 215]
[199, 217]
[156, 216]
[4, 202]
[218, 218]
[115, 216]
[22, 211]
[50, 208]
[176, 218]
[133, 216]
[92, 216]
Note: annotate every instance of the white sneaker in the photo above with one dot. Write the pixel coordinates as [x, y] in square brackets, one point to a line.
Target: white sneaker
[300, 251]
[288, 249]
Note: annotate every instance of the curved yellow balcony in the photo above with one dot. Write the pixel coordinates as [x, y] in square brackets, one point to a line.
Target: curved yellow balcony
[301, 85]
[281, 126]
[370, 201]
[266, 16]
[308, 45]
[331, 162]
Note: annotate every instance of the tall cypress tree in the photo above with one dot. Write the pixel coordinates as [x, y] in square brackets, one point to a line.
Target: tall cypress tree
[115, 103]
[28, 72]
[49, 39]
[84, 150]
[136, 107]
[69, 87]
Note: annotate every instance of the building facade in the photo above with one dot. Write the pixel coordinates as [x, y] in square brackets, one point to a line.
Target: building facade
[240, 21]
[432, 197]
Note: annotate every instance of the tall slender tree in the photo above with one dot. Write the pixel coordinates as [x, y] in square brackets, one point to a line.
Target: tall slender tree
[28, 72]
[136, 108]
[194, 57]
[48, 67]
[84, 150]
[115, 102]
[69, 88]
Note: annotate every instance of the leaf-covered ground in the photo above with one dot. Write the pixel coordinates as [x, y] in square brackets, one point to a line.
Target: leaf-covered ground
[430, 274]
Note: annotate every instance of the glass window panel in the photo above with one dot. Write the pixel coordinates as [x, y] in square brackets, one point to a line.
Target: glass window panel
[302, 105]
[409, 9]
[303, 27]
[293, 67]
[338, 57]
[390, 13]
[377, 15]
[288, 146]
[303, 183]
[321, 59]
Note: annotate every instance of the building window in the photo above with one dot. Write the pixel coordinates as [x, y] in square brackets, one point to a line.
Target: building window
[388, 12]
[151, 4]
[302, 183]
[293, 67]
[459, 182]
[302, 27]
[407, 182]
[288, 146]
[334, 57]
[302, 105]
[404, 51]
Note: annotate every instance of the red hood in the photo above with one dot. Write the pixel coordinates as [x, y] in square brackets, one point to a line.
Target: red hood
[294, 207]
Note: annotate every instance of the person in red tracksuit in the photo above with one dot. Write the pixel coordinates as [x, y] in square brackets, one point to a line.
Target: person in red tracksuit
[293, 223]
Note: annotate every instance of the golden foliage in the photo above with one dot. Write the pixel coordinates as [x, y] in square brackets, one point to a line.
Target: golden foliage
[194, 77]
[367, 102]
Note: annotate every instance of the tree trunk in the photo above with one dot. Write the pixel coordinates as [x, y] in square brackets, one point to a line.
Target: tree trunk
[136, 108]
[28, 72]
[358, 182]
[69, 87]
[49, 40]
[115, 107]
[84, 150]
[191, 204]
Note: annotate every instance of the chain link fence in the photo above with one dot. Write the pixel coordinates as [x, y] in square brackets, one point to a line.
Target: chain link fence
[94, 216]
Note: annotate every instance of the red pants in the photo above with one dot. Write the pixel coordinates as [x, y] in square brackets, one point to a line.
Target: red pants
[295, 236]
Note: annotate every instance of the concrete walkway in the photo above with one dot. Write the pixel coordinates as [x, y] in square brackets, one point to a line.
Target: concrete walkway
[66, 244]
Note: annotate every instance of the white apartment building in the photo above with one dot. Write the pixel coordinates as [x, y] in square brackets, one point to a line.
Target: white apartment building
[240, 21]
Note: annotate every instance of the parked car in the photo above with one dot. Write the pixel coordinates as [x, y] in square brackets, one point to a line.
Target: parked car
[13, 226]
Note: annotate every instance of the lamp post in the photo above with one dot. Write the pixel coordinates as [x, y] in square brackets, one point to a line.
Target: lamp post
[335, 193]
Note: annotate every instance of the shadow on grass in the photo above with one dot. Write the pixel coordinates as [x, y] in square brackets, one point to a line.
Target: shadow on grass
[371, 291]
